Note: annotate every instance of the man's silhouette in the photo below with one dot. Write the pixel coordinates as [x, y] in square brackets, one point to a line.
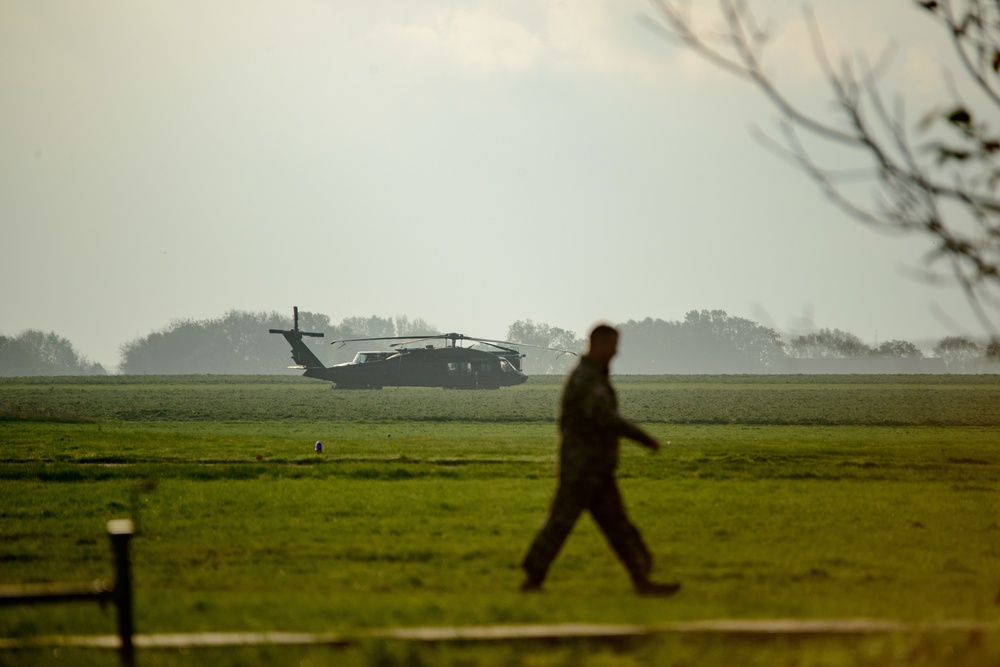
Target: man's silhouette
[588, 458]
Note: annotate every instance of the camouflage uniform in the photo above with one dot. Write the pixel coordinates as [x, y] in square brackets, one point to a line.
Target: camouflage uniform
[588, 457]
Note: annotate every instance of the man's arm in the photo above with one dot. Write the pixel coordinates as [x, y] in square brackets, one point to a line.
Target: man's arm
[633, 432]
[600, 410]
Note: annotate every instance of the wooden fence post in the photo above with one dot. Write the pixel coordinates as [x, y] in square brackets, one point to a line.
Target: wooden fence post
[121, 531]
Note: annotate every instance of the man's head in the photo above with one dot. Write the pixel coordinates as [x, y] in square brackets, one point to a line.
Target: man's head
[603, 344]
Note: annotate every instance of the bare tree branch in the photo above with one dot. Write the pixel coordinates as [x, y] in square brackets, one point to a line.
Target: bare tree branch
[944, 190]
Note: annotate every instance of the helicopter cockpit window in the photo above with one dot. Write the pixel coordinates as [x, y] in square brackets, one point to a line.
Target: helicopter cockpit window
[368, 357]
[505, 366]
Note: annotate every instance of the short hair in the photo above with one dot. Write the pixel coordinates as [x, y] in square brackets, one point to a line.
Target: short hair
[603, 332]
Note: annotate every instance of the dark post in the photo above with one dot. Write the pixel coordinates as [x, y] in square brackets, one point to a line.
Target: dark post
[121, 531]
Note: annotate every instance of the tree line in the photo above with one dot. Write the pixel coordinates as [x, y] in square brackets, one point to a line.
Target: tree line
[238, 342]
[703, 342]
[33, 352]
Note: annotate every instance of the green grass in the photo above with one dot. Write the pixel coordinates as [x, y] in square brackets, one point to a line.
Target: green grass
[891, 513]
[795, 399]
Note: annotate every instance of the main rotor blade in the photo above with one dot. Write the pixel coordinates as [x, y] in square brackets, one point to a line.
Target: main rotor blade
[361, 340]
[499, 344]
[510, 342]
[413, 338]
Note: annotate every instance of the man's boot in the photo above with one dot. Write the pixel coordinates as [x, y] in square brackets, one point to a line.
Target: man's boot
[531, 585]
[649, 588]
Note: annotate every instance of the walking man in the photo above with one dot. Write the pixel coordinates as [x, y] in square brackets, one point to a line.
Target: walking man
[591, 427]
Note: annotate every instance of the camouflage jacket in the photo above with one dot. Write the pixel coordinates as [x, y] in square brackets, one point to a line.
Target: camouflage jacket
[590, 424]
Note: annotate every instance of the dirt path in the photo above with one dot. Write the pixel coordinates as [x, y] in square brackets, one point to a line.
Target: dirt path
[760, 627]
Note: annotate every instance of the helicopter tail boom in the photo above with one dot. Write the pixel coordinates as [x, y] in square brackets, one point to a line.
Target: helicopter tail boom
[301, 354]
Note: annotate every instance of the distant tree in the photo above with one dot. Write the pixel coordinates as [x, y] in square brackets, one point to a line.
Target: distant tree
[992, 356]
[900, 349]
[705, 342]
[735, 344]
[651, 346]
[417, 326]
[33, 352]
[828, 344]
[987, 360]
[544, 362]
[185, 346]
[236, 343]
[960, 354]
[242, 337]
[365, 327]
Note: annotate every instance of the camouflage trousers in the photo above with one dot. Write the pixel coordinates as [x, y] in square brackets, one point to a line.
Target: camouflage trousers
[602, 499]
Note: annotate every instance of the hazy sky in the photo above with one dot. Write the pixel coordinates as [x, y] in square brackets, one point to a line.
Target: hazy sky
[471, 163]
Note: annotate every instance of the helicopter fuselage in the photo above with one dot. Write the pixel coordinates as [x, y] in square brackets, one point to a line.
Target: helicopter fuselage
[448, 367]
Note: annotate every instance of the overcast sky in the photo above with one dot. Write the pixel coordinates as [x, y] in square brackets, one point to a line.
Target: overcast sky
[471, 163]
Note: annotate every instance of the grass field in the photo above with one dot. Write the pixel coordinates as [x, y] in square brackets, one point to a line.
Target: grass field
[776, 497]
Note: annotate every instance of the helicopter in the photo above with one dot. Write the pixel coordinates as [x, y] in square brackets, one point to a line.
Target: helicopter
[414, 363]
